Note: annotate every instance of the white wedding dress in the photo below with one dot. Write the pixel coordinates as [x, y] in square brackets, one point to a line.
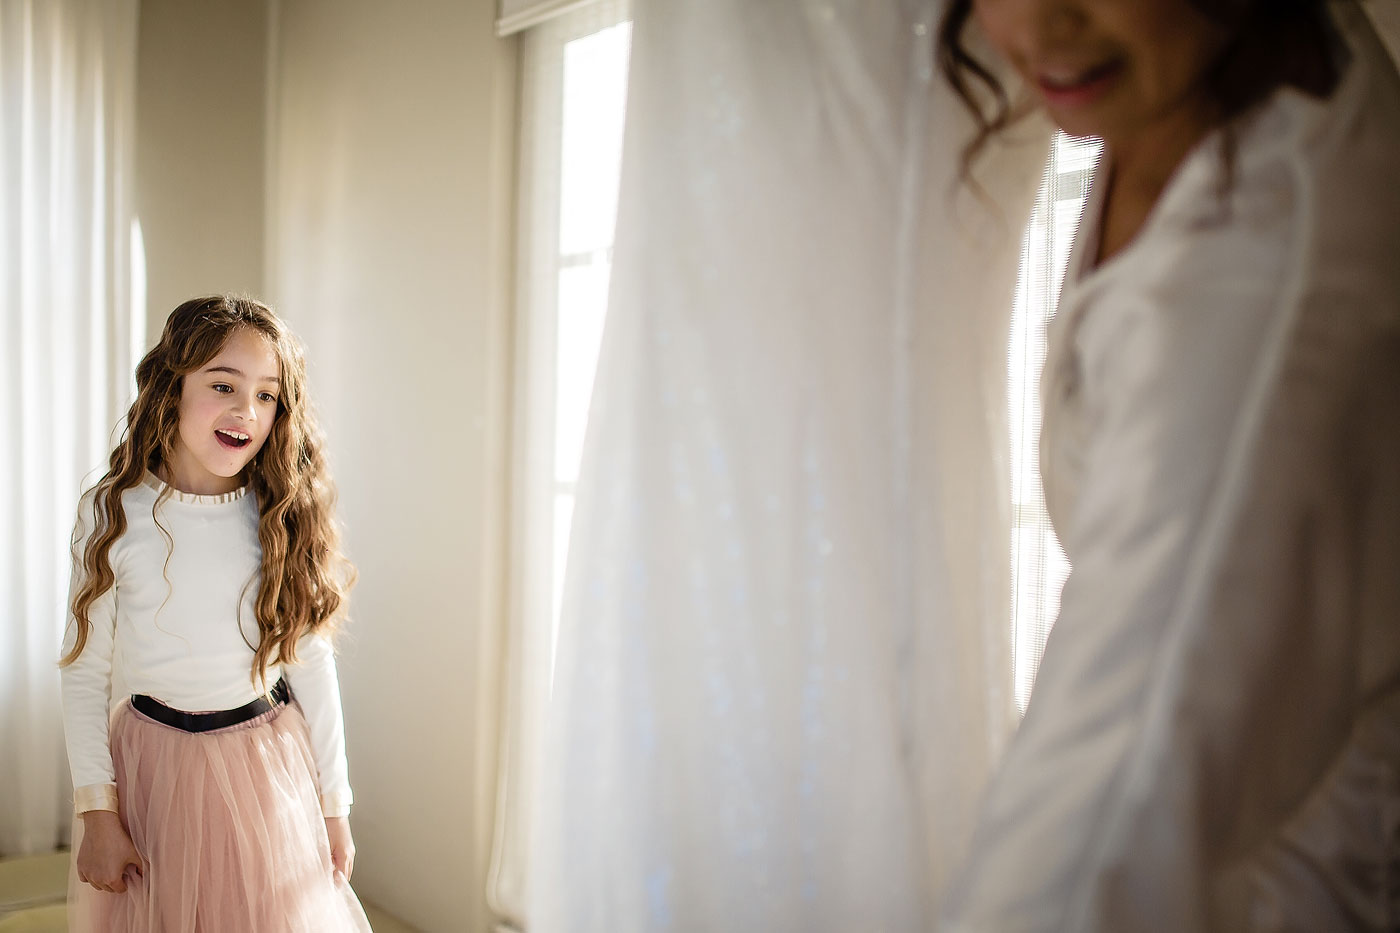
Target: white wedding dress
[772, 708]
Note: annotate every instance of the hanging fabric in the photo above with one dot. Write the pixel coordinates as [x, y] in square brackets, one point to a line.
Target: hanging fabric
[783, 670]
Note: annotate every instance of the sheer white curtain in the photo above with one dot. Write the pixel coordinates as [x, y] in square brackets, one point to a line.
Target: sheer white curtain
[67, 74]
[784, 665]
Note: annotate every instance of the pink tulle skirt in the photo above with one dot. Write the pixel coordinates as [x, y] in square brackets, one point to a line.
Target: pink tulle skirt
[229, 826]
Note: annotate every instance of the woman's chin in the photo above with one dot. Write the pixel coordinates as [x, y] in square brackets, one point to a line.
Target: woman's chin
[1075, 121]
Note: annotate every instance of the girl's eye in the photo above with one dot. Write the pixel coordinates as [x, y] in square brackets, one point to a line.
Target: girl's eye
[223, 388]
[267, 396]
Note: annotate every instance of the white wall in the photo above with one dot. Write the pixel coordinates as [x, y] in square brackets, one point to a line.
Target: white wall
[200, 144]
[389, 196]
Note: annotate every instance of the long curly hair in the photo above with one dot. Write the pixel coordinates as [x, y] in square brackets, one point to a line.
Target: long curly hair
[304, 578]
[1272, 43]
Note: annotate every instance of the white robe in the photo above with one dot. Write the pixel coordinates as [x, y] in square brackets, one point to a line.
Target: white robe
[1214, 739]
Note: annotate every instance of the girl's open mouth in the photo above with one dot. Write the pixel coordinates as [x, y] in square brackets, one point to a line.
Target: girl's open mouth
[233, 440]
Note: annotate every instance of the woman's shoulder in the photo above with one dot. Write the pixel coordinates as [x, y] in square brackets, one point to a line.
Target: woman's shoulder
[1296, 196]
[1349, 168]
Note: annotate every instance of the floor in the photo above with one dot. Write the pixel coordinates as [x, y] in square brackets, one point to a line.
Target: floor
[32, 892]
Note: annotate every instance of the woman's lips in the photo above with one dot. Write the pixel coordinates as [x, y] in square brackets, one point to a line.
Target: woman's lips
[1078, 90]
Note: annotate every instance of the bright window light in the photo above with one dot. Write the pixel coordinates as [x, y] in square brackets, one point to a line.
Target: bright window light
[594, 104]
[1038, 565]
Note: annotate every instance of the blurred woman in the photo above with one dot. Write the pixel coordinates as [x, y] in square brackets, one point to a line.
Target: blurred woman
[1214, 738]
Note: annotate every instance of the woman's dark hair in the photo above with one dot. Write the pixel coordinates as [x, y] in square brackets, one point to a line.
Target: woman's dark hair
[1273, 43]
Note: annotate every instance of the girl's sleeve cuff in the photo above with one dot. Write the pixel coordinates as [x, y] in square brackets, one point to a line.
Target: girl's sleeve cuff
[336, 803]
[95, 797]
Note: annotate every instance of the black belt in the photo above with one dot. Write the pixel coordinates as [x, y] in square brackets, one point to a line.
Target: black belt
[208, 722]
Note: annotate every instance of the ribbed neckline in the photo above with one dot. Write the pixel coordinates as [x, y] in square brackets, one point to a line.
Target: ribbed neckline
[189, 498]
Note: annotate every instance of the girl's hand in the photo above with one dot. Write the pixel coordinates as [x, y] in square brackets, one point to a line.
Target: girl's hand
[342, 846]
[106, 852]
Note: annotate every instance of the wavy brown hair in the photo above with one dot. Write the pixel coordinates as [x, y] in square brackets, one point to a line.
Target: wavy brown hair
[304, 578]
[1272, 43]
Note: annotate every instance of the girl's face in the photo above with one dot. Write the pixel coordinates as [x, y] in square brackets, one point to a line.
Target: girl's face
[226, 412]
[1118, 69]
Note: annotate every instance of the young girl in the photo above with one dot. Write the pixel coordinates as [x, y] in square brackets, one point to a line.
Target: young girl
[200, 698]
[1213, 742]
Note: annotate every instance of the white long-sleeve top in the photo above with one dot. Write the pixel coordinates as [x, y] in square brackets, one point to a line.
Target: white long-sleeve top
[1213, 741]
[179, 625]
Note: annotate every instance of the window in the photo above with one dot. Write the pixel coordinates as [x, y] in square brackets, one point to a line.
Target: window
[1038, 565]
[595, 99]
[574, 95]
[572, 98]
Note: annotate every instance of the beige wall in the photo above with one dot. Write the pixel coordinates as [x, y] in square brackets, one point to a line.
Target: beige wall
[200, 144]
[388, 222]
